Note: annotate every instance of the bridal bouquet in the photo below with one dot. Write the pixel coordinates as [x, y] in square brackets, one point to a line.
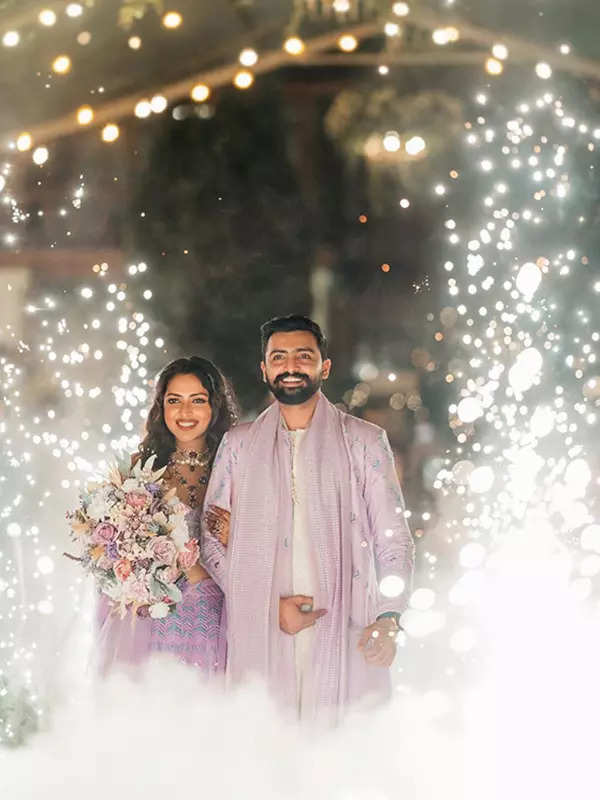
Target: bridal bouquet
[134, 540]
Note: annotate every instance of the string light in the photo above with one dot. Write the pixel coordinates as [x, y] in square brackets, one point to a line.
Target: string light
[172, 20]
[110, 132]
[61, 64]
[500, 51]
[24, 142]
[243, 79]
[11, 39]
[74, 10]
[543, 70]
[493, 66]
[85, 115]
[347, 43]
[143, 109]
[200, 93]
[158, 103]
[294, 46]
[415, 145]
[248, 57]
[401, 9]
[40, 155]
[134, 42]
[47, 17]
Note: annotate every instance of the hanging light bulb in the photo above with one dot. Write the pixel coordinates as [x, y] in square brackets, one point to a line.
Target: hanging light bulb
[294, 46]
[85, 115]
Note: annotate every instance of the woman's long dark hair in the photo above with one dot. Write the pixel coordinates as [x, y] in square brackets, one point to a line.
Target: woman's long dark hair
[158, 439]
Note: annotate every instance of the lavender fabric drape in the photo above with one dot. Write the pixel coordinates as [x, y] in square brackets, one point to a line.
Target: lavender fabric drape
[359, 533]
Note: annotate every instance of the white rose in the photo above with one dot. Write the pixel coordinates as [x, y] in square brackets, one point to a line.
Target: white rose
[159, 610]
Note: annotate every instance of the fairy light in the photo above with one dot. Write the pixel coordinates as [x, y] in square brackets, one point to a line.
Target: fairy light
[61, 64]
[110, 132]
[493, 66]
[85, 115]
[200, 93]
[134, 42]
[47, 17]
[401, 9]
[24, 142]
[74, 10]
[294, 46]
[143, 109]
[158, 103]
[248, 57]
[11, 39]
[500, 51]
[415, 145]
[243, 79]
[348, 43]
[543, 70]
[40, 155]
[52, 453]
[172, 20]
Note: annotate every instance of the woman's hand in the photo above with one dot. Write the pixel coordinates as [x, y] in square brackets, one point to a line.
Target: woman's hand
[217, 520]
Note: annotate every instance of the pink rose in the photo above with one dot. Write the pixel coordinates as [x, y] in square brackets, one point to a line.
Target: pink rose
[137, 591]
[163, 550]
[189, 555]
[122, 569]
[104, 533]
[137, 499]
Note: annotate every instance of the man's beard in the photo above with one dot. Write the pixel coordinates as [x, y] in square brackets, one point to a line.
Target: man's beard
[294, 395]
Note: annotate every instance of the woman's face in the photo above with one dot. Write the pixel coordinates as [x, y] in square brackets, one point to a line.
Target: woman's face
[187, 411]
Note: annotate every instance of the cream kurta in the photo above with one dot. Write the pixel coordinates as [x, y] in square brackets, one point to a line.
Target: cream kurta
[303, 570]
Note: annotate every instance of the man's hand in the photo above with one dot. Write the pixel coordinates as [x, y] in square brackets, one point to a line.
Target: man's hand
[218, 520]
[378, 642]
[292, 619]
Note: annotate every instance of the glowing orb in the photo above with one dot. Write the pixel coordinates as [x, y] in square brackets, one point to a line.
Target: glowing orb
[481, 480]
[543, 70]
[469, 409]
[528, 279]
[294, 46]
[40, 155]
[391, 142]
[542, 421]
[45, 565]
[415, 145]
[391, 586]
[13, 529]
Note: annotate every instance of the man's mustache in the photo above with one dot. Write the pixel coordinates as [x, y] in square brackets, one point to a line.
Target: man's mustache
[283, 375]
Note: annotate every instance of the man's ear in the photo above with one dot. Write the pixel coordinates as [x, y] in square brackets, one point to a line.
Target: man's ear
[263, 369]
[326, 368]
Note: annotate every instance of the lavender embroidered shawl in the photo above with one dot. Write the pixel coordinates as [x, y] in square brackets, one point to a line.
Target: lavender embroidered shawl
[356, 520]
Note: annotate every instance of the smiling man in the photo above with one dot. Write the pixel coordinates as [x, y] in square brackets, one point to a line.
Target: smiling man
[319, 559]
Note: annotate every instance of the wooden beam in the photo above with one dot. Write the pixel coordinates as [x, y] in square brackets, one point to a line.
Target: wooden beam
[115, 110]
[520, 49]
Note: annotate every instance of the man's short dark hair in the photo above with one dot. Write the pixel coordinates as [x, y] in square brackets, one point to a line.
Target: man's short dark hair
[293, 322]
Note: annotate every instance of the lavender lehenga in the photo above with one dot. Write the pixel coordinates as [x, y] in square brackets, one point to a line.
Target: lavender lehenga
[194, 633]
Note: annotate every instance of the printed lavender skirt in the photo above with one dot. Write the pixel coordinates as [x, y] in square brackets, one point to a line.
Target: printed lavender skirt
[195, 633]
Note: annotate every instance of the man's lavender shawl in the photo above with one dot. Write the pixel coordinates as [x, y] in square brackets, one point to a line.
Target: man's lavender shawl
[356, 522]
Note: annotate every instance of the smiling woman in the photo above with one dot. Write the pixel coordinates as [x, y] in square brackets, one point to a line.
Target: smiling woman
[193, 407]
